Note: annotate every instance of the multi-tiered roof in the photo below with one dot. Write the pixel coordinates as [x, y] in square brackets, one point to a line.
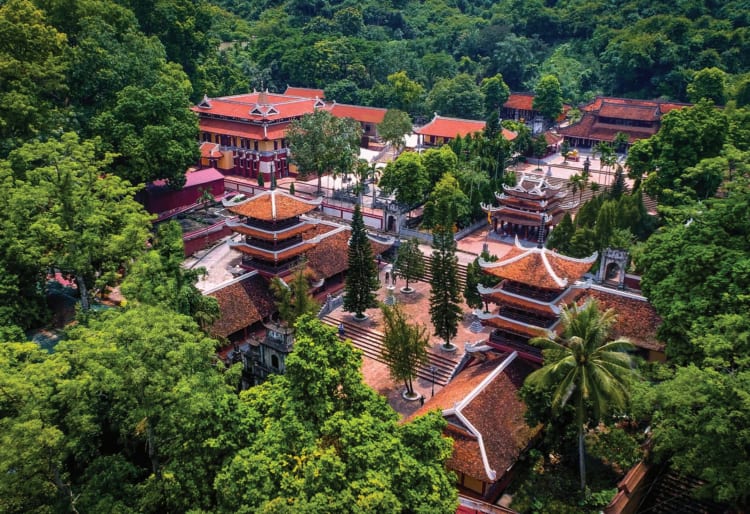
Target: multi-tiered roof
[532, 202]
[533, 285]
[274, 227]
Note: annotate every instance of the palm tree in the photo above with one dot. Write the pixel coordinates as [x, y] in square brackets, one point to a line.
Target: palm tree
[585, 368]
[607, 158]
[577, 184]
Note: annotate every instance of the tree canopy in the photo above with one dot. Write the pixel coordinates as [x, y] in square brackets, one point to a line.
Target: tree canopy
[320, 142]
[324, 441]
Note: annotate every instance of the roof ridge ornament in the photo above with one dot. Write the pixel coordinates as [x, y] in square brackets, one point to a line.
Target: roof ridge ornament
[206, 102]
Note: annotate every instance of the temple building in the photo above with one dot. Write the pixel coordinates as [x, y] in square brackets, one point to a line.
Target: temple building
[485, 421]
[279, 233]
[530, 209]
[534, 284]
[274, 229]
[441, 130]
[245, 134]
[604, 117]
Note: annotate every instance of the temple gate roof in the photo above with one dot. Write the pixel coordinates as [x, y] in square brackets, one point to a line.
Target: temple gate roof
[538, 267]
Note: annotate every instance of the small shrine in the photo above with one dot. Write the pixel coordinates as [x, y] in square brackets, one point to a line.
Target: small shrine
[267, 356]
[274, 226]
[529, 209]
[534, 284]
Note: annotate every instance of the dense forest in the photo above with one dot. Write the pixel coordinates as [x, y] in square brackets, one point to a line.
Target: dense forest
[131, 412]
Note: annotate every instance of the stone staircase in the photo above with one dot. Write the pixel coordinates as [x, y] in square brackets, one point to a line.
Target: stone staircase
[371, 342]
[428, 273]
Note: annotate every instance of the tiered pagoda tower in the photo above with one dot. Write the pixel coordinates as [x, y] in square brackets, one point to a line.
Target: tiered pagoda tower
[534, 284]
[276, 232]
[530, 208]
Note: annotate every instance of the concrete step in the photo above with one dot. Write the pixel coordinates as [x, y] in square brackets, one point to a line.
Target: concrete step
[370, 341]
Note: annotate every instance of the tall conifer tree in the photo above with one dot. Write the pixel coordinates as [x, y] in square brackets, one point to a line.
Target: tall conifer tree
[445, 296]
[362, 276]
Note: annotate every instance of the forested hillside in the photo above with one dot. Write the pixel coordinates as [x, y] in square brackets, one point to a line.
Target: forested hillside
[131, 412]
[353, 49]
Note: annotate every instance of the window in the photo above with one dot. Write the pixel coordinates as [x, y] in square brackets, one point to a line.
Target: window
[275, 361]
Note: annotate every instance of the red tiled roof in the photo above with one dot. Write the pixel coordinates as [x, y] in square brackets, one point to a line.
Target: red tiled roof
[195, 178]
[306, 92]
[509, 134]
[520, 101]
[240, 129]
[204, 176]
[269, 235]
[637, 319]
[241, 304]
[210, 150]
[629, 112]
[493, 409]
[240, 106]
[273, 205]
[552, 139]
[330, 256]
[589, 128]
[450, 127]
[539, 267]
[270, 255]
[515, 328]
[359, 113]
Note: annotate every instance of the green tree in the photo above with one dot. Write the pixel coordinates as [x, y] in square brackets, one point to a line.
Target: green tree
[394, 127]
[362, 273]
[686, 137]
[704, 438]
[407, 178]
[548, 97]
[620, 141]
[318, 143]
[476, 277]
[151, 130]
[607, 158]
[404, 346]
[87, 223]
[32, 77]
[577, 184]
[409, 263]
[446, 199]
[496, 92]
[400, 92]
[539, 149]
[158, 278]
[565, 150]
[708, 83]
[172, 415]
[458, 96]
[326, 442]
[33, 469]
[559, 238]
[129, 414]
[445, 294]
[694, 269]
[439, 161]
[293, 300]
[619, 187]
[583, 367]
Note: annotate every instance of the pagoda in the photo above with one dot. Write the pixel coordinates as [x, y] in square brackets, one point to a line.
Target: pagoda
[530, 208]
[274, 227]
[534, 285]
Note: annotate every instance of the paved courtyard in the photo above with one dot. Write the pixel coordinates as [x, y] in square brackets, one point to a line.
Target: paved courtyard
[416, 306]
